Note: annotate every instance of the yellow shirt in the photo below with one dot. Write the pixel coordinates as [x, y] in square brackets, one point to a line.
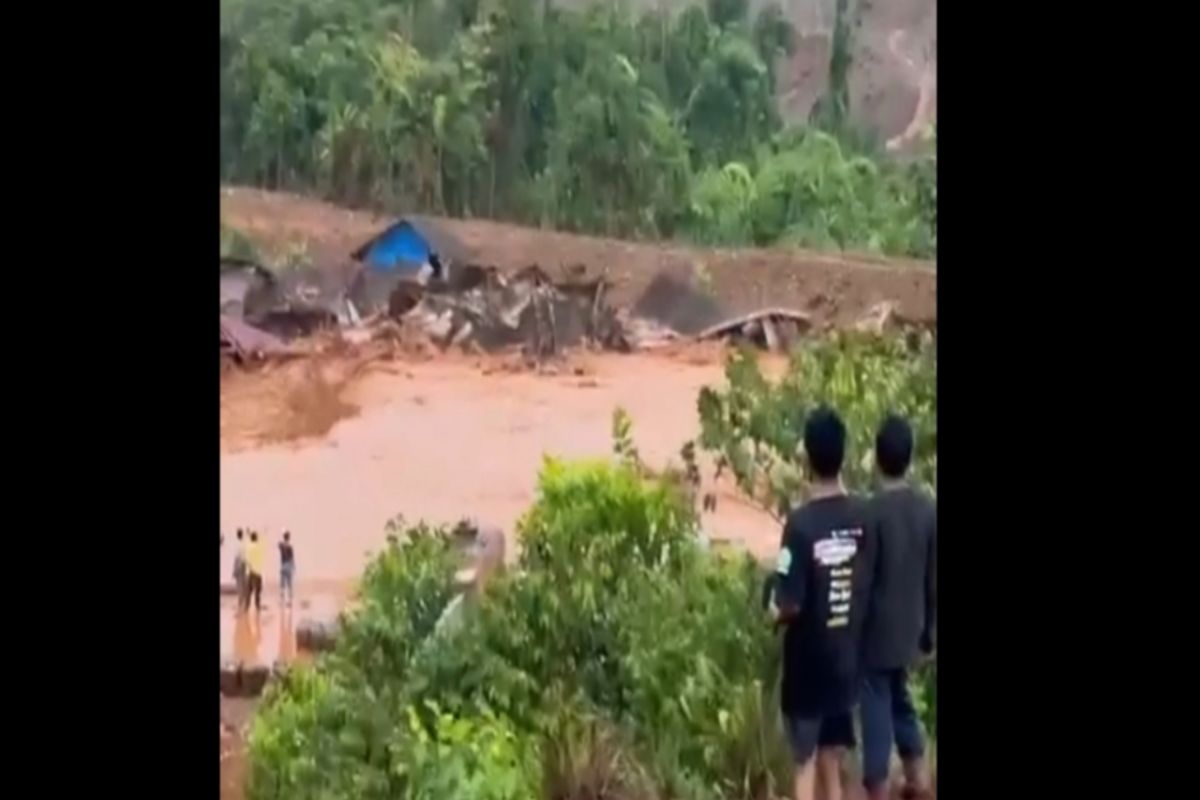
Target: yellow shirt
[254, 557]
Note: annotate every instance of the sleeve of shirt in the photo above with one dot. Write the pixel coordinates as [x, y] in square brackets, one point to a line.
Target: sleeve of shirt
[931, 582]
[872, 559]
[790, 573]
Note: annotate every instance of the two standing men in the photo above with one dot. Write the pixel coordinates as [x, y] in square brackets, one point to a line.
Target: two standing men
[856, 591]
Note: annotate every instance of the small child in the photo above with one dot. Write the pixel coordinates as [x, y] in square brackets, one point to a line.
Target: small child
[287, 568]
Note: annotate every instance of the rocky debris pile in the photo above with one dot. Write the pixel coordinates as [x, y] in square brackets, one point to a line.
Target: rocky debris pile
[484, 309]
[317, 636]
[245, 680]
[884, 317]
[647, 334]
[678, 305]
[262, 312]
[244, 344]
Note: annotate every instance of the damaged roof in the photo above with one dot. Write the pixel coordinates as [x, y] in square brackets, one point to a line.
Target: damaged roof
[245, 341]
[407, 245]
[244, 283]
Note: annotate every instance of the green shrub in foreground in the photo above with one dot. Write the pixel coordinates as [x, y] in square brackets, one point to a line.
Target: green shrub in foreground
[618, 617]
[333, 730]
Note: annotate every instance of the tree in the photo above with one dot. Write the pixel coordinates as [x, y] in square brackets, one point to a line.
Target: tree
[590, 119]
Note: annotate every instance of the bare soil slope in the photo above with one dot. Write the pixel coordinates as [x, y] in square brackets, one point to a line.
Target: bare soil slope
[835, 289]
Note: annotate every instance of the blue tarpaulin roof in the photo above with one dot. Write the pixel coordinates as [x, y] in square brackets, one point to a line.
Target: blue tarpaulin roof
[406, 246]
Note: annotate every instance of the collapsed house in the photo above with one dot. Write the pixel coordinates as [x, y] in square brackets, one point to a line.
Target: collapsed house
[410, 247]
[307, 300]
[297, 302]
[414, 282]
[492, 311]
[416, 272]
[391, 264]
[244, 283]
[244, 344]
[774, 329]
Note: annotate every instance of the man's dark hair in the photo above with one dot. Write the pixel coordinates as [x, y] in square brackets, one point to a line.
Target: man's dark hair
[825, 442]
[239, 533]
[894, 446]
[253, 536]
[287, 536]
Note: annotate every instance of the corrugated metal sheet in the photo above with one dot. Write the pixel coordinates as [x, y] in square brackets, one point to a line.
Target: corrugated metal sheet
[245, 341]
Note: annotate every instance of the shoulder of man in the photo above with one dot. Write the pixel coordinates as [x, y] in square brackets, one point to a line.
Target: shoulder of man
[795, 520]
[925, 501]
[861, 506]
[796, 532]
[863, 510]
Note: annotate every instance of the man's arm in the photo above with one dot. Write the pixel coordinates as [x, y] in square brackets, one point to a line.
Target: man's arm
[928, 636]
[790, 576]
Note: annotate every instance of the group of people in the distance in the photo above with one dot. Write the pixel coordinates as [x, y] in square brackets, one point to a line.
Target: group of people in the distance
[248, 569]
[855, 587]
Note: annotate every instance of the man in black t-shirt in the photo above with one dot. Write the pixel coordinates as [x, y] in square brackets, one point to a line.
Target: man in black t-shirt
[901, 616]
[822, 584]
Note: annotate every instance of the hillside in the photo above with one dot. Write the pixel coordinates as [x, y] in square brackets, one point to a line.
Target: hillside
[837, 289]
[893, 59]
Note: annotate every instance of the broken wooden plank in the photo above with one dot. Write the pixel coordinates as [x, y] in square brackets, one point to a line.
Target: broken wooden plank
[734, 325]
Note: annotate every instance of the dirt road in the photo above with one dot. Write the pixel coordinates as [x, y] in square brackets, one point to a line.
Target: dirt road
[439, 440]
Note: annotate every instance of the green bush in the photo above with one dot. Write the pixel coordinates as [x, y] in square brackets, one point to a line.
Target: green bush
[332, 731]
[619, 630]
[606, 519]
[704, 668]
[467, 758]
[403, 593]
[289, 739]
[924, 689]
[755, 426]
[587, 756]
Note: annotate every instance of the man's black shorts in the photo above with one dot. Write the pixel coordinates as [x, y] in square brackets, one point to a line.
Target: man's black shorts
[806, 734]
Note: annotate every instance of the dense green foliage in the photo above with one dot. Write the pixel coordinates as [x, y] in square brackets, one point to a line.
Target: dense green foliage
[755, 426]
[620, 653]
[589, 119]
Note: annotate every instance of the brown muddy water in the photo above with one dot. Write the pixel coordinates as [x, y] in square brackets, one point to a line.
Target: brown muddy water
[268, 636]
[436, 440]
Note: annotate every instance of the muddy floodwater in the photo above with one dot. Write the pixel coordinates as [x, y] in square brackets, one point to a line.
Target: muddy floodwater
[268, 636]
[435, 440]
